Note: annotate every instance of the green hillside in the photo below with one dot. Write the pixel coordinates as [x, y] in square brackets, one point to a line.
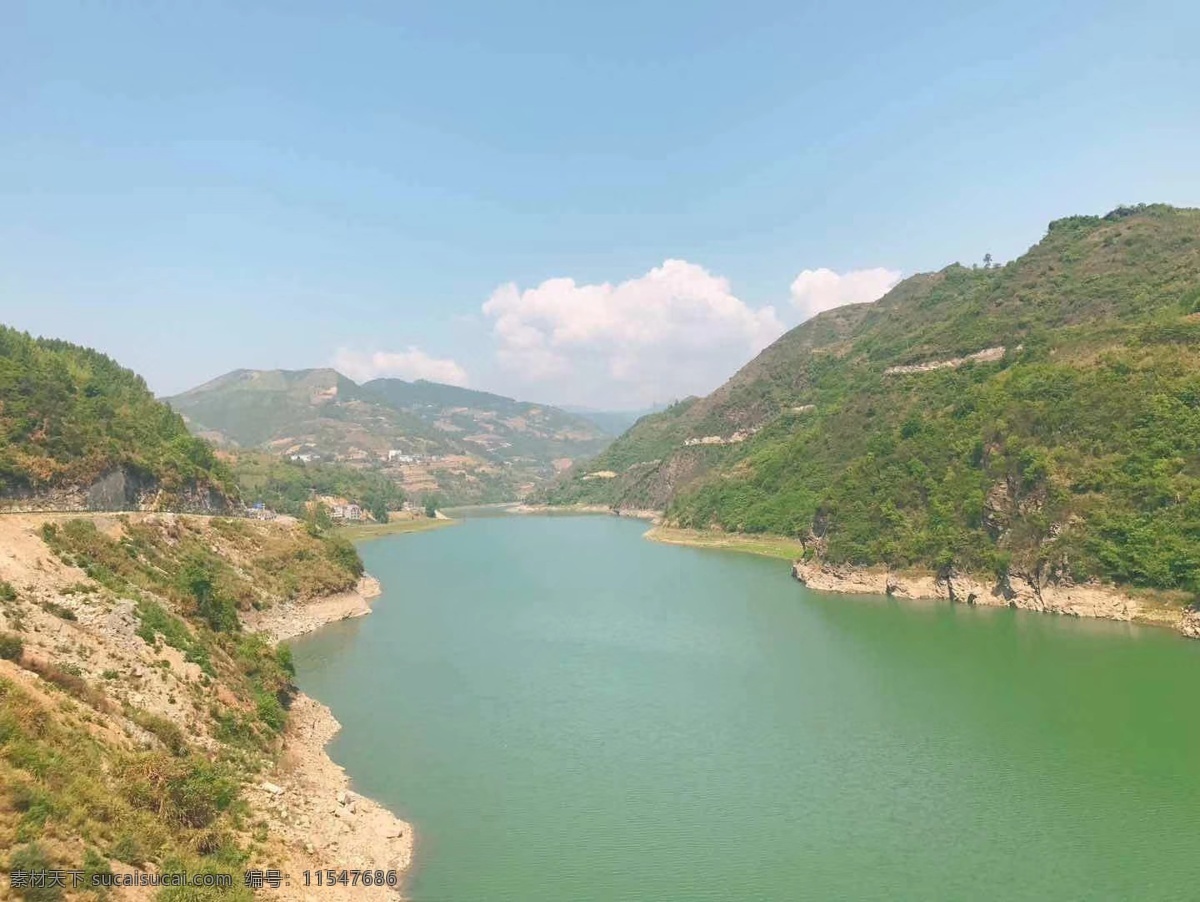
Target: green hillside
[73, 420]
[322, 410]
[283, 408]
[1072, 453]
[286, 486]
[492, 424]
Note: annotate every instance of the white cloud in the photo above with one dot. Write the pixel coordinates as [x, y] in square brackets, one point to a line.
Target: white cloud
[815, 290]
[362, 366]
[676, 330]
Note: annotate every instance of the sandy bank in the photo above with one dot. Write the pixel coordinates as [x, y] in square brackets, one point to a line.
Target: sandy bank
[313, 819]
[307, 800]
[767, 546]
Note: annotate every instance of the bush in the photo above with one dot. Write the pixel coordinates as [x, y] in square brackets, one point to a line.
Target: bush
[32, 858]
[12, 646]
[167, 732]
[58, 610]
[188, 792]
[7, 592]
[343, 553]
[129, 850]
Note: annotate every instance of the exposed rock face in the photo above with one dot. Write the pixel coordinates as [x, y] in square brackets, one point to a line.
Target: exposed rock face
[987, 355]
[1088, 600]
[120, 489]
[1190, 624]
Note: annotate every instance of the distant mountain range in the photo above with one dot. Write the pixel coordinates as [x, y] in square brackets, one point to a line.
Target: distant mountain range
[614, 422]
[463, 444]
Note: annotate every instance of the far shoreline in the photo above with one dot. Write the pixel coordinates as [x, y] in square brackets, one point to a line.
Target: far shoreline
[399, 526]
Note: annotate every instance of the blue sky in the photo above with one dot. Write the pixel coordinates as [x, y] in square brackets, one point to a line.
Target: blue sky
[405, 188]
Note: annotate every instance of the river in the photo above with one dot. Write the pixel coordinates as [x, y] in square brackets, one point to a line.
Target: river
[566, 711]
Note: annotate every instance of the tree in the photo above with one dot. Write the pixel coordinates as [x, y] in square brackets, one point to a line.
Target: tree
[213, 608]
[379, 510]
[431, 504]
[317, 518]
[987, 261]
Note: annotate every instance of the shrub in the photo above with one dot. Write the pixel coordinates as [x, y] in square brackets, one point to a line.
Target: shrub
[188, 792]
[7, 592]
[166, 731]
[58, 610]
[128, 849]
[12, 646]
[31, 857]
[70, 682]
[343, 553]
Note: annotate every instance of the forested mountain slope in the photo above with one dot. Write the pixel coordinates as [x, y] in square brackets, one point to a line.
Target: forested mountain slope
[77, 428]
[1041, 417]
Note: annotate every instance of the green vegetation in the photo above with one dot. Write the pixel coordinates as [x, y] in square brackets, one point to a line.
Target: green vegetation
[207, 575]
[365, 532]
[256, 408]
[69, 415]
[288, 486]
[511, 429]
[73, 793]
[73, 800]
[1073, 456]
[181, 560]
[11, 646]
[779, 547]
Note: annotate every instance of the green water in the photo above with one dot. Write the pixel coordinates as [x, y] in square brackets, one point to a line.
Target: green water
[569, 712]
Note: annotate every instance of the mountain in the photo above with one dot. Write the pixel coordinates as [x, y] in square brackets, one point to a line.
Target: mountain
[463, 445]
[492, 423]
[614, 422]
[287, 410]
[1040, 417]
[78, 430]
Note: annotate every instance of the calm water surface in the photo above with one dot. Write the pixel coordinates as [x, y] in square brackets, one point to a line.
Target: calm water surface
[569, 712]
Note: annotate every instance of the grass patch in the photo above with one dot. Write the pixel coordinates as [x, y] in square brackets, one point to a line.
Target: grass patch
[66, 794]
[367, 532]
[780, 547]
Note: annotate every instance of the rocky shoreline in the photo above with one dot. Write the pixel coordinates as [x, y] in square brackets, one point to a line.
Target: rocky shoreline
[290, 619]
[307, 802]
[319, 821]
[1086, 600]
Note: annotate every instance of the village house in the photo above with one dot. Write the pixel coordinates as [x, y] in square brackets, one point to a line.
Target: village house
[351, 512]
